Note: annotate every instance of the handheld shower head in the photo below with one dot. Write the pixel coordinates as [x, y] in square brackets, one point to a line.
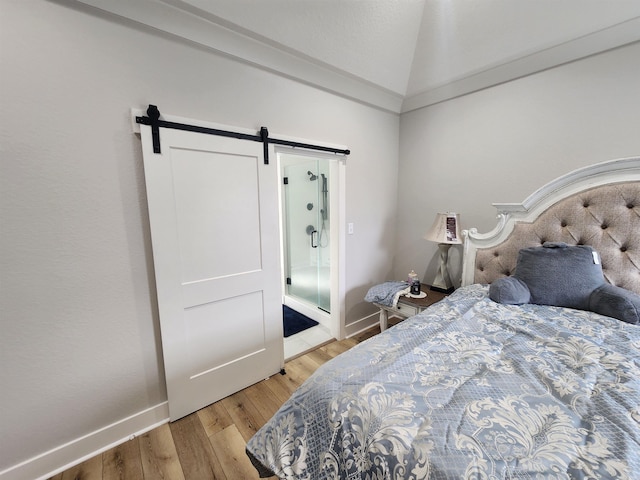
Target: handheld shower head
[312, 177]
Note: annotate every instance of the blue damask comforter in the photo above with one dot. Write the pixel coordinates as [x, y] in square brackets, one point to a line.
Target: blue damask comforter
[468, 389]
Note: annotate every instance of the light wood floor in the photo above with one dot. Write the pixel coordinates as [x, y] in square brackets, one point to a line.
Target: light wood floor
[210, 443]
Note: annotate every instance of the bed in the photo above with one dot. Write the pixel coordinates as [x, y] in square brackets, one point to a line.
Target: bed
[476, 389]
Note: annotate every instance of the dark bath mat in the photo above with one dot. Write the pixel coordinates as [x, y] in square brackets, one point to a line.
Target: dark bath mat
[295, 322]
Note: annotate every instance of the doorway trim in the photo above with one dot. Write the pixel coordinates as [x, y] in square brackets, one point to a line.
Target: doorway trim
[337, 205]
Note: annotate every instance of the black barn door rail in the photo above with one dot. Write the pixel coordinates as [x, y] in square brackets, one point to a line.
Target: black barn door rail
[153, 119]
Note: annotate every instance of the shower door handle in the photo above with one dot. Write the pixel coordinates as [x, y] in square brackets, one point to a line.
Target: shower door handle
[314, 239]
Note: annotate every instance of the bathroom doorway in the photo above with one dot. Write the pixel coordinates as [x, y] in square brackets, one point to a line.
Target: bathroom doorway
[309, 245]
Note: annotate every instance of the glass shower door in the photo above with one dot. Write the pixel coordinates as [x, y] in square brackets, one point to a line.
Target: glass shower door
[306, 201]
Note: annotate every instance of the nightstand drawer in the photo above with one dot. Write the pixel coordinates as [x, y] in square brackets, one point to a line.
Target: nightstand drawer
[407, 310]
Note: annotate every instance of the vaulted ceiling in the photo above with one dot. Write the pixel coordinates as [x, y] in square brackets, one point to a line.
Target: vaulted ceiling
[396, 54]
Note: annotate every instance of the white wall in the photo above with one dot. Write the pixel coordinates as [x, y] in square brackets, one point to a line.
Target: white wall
[502, 143]
[80, 348]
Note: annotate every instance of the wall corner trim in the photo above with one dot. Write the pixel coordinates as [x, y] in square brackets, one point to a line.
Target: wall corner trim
[609, 38]
[205, 32]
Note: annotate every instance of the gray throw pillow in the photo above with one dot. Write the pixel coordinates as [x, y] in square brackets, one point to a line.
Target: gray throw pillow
[509, 291]
[616, 302]
[565, 276]
[559, 274]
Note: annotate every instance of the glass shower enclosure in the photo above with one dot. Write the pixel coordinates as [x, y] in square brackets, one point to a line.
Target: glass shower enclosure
[306, 230]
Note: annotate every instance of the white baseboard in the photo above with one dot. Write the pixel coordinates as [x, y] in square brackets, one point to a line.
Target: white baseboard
[361, 325]
[72, 453]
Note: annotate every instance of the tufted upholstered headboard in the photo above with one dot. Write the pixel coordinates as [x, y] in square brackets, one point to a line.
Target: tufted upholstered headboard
[597, 206]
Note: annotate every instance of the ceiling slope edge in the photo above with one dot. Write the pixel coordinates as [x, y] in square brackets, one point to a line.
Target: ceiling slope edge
[174, 21]
[606, 39]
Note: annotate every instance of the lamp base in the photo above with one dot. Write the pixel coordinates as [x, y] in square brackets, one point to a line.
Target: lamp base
[442, 290]
[442, 282]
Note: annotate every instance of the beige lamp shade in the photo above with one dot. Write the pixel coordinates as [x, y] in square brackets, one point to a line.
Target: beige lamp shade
[445, 229]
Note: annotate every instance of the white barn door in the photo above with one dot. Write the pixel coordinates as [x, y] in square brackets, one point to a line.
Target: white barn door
[213, 212]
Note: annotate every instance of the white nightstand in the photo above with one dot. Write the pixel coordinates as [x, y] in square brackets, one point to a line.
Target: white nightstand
[407, 306]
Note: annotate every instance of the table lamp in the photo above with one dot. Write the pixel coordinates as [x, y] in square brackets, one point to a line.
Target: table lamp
[445, 231]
